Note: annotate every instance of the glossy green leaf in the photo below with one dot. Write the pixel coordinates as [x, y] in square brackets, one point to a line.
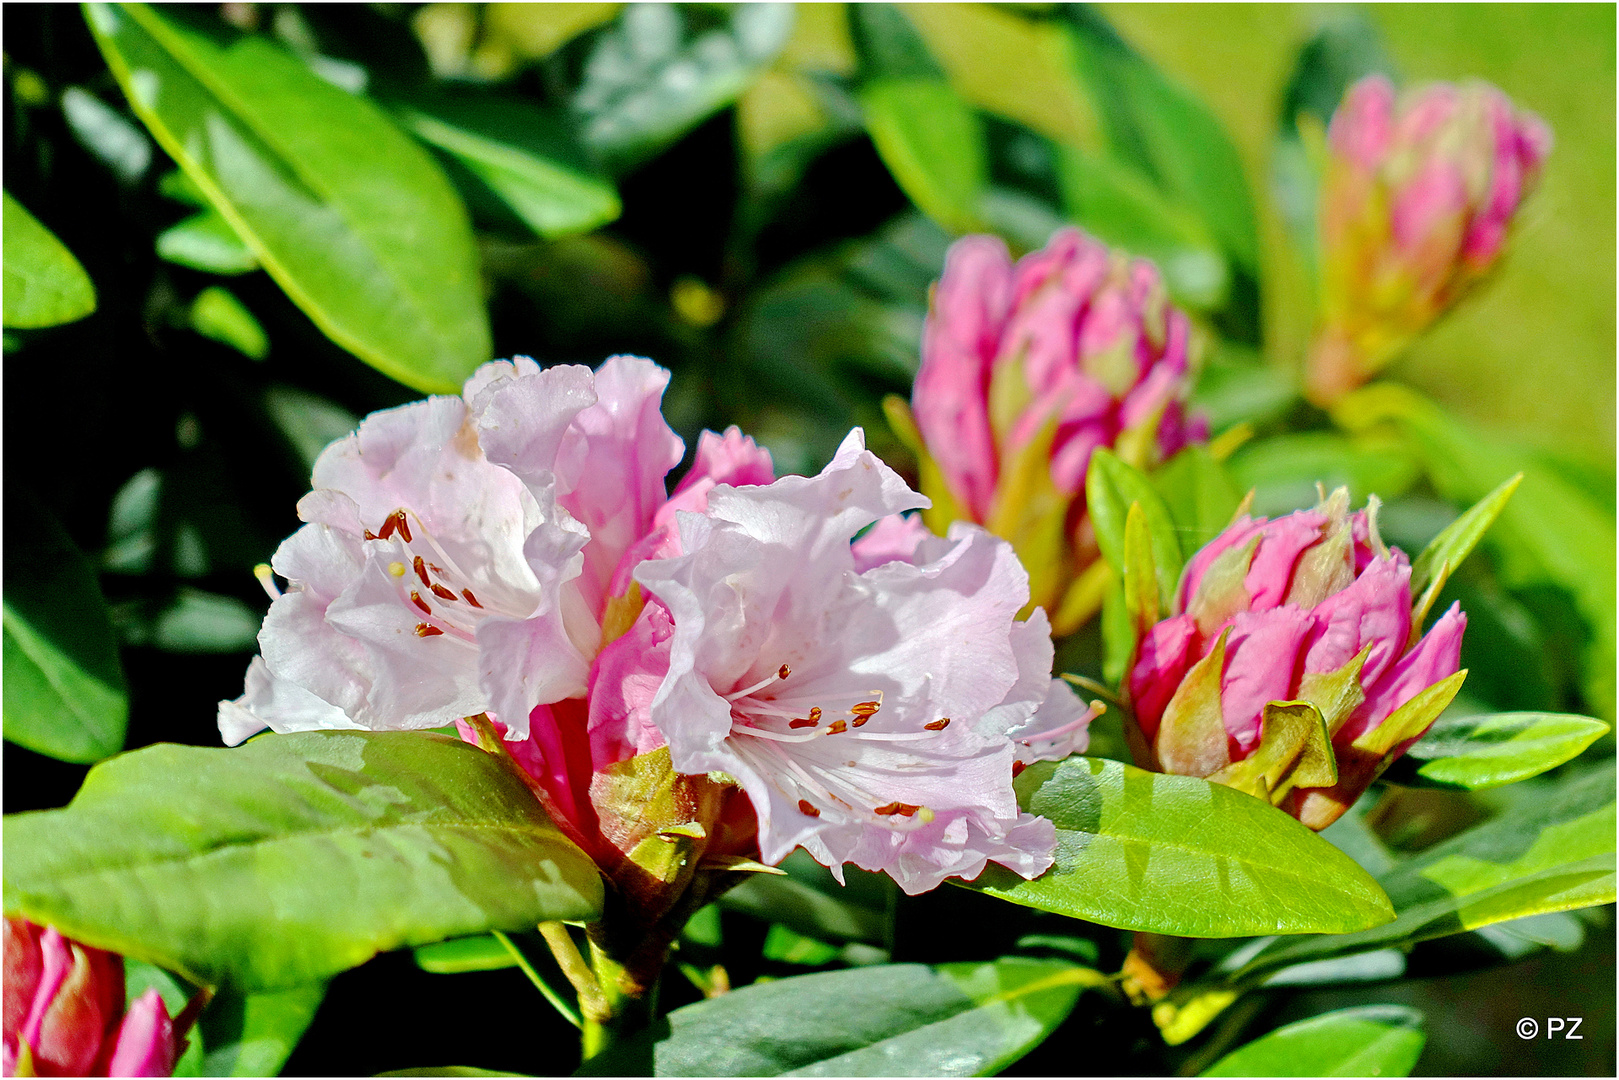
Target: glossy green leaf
[655, 75]
[1178, 855]
[1110, 487]
[894, 1020]
[218, 315]
[1446, 552]
[1554, 852]
[482, 953]
[1200, 495]
[344, 210]
[64, 686]
[1474, 752]
[254, 1034]
[525, 155]
[294, 857]
[205, 241]
[1283, 470]
[1368, 1040]
[44, 283]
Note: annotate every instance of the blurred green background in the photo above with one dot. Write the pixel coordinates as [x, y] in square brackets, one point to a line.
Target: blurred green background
[1536, 361]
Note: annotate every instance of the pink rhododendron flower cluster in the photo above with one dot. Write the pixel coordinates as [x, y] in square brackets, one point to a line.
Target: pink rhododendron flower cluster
[1027, 368]
[1294, 666]
[511, 557]
[1418, 198]
[65, 1014]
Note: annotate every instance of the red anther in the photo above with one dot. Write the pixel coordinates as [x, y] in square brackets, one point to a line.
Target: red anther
[815, 714]
[903, 809]
[866, 708]
[807, 807]
[426, 630]
[416, 598]
[442, 593]
[860, 721]
[421, 571]
[473, 600]
[837, 727]
[1017, 767]
[369, 535]
[803, 721]
[404, 526]
[389, 524]
[783, 671]
[938, 725]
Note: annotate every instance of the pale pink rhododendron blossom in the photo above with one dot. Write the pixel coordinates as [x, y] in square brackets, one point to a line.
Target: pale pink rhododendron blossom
[1420, 193]
[866, 713]
[65, 1014]
[1028, 367]
[505, 556]
[1313, 608]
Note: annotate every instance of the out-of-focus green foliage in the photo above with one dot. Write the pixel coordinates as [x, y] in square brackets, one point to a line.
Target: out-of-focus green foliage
[45, 285]
[759, 197]
[64, 686]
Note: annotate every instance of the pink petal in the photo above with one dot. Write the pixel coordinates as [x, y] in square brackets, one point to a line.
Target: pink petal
[611, 465]
[1263, 664]
[1281, 544]
[1362, 127]
[146, 1044]
[623, 681]
[892, 538]
[1375, 609]
[959, 341]
[1437, 656]
[1162, 660]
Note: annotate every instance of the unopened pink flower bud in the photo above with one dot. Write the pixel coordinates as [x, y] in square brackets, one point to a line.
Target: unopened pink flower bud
[1027, 369]
[1290, 667]
[145, 1044]
[1418, 198]
[64, 1011]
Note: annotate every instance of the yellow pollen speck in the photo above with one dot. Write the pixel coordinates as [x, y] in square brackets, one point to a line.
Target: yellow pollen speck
[397, 569]
[924, 815]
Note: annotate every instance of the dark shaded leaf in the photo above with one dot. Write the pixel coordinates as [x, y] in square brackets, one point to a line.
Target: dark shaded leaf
[896, 1020]
[64, 686]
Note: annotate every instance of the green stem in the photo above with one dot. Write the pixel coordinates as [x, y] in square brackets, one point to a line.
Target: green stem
[593, 1003]
[626, 1012]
